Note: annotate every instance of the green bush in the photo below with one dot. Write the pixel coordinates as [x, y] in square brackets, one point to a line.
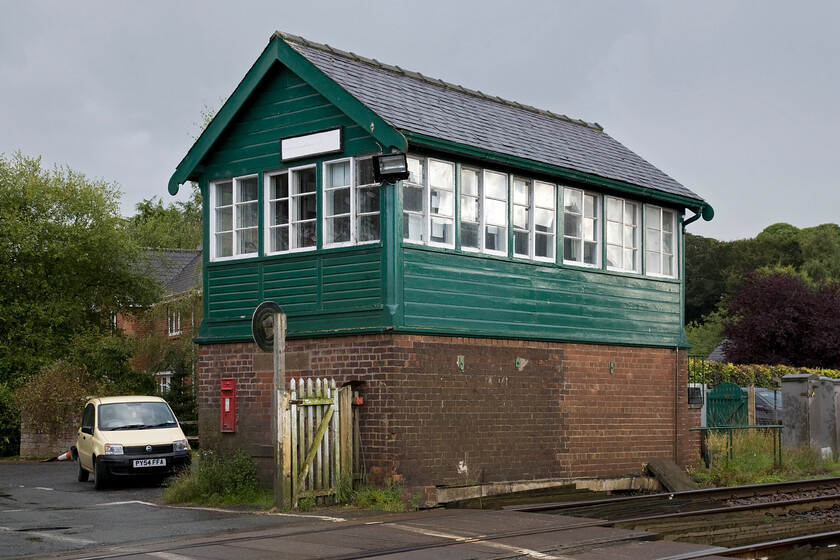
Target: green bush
[9, 421]
[716, 373]
[218, 480]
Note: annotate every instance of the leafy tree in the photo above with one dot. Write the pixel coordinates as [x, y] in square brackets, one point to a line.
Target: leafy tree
[175, 226]
[778, 317]
[705, 336]
[65, 263]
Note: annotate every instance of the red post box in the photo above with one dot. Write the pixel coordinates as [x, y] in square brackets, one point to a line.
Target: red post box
[228, 405]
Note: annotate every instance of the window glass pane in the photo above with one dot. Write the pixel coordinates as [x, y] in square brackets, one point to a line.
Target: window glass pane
[614, 256]
[614, 209]
[629, 259]
[469, 209]
[279, 186]
[415, 171]
[247, 241]
[614, 232]
[496, 212]
[668, 265]
[520, 217]
[629, 236]
[589, 205]
[630, 213]
[572, 226]
[305, 234]
[521, 194]
[412, 199]
[544, 195]
[571, 249]
[443, 231]
[495, 185]
[281, 212]
[441, 175]
[572, 201]
[247, 189]
[304, 181]
[413, 227]
[667, 221]
[364, 172]
[589, 229]
[305, 208]
[520, 243]
[652, 240]
[247, 215]
[590, 253]
[337, 202]
[224, 194]
[469, 235]
[652, 262]
[224, 244]
[224, 219]
[443, 203]
[544, 246]
[667, 243]
[367, 200]
[338, 174]
[544, 220]
[652, 217]
[368, 228]
[280, 239]
[494, 238]
[337, 230]
[469, 182]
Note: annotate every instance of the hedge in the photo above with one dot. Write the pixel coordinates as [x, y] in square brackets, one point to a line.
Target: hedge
[714, 373]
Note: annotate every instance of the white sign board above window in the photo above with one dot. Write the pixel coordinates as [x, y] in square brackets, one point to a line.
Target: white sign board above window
[306, 145]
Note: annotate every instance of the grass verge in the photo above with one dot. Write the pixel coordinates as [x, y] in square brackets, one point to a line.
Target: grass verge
[753, 461]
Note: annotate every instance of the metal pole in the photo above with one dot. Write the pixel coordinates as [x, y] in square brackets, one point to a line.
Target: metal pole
[279, 408]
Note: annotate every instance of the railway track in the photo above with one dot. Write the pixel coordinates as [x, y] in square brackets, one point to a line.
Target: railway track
[764, 521]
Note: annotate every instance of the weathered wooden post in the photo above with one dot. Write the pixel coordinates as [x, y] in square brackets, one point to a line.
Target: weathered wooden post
[281, 402]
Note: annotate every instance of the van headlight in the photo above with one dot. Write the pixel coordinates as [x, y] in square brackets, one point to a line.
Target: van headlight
[180, 445]
[113, 449]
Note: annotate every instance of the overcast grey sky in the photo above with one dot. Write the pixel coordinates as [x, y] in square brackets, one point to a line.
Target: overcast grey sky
[738, 101]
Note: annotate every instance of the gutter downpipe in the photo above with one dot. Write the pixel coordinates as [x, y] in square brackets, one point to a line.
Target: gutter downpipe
[705, 211]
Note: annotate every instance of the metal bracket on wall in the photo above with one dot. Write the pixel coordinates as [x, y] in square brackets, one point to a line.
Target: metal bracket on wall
[461, 363]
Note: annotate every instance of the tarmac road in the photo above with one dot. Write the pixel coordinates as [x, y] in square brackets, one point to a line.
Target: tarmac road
[45, 511]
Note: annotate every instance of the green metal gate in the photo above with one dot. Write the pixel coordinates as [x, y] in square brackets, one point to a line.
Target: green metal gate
[726, 405]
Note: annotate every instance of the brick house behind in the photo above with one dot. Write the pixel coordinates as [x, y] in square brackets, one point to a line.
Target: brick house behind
[513, 310]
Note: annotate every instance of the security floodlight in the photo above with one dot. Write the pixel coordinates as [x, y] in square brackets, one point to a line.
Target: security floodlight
[390, 168]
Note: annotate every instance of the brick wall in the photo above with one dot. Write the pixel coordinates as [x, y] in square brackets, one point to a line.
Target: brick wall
[46, 444]
[519, 410]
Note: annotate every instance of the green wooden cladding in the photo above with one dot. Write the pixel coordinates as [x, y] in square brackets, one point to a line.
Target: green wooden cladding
[410, 289]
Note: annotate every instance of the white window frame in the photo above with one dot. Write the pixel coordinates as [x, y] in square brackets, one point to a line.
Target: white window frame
[423, 213]
[659, 233]
[624, 244]
[552, 234]
[173, 319]
[442, 217]
[479, 223]
[350, 215]
[484, 207]
[355, 215]
[236, 229]
[270, 203]
[293, 200]
[597, 218]
[358, 214]
[528, 206]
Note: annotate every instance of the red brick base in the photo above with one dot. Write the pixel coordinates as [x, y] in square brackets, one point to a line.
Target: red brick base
[519, 410]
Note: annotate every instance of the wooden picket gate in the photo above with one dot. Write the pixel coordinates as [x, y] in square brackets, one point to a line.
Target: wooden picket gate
[318, 439]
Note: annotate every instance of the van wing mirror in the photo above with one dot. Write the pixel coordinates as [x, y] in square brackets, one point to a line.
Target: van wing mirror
[88, 430]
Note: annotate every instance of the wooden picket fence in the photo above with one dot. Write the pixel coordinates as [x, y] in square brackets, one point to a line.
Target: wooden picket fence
[319, 439]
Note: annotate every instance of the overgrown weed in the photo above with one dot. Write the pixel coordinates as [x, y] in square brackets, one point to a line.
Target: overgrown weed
[753, 462]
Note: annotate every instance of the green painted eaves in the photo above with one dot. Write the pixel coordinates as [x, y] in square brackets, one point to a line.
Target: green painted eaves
[278, 51]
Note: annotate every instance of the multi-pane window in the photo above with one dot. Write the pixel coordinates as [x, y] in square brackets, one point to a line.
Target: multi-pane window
[367, 202]
[581, 239]
[470, 209]
[533, 219]
[660, 241]
[174, 321]
[338, 214]
[545, 204]
[235, 218]
[495, 212]
[441, 203]
[291, 210]
[414, 201]
[622, 234]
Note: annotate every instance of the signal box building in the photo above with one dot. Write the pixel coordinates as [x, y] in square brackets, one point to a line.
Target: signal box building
[512, 310]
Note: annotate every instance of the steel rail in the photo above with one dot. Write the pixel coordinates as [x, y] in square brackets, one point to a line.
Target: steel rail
[729, 492]
[760, 547]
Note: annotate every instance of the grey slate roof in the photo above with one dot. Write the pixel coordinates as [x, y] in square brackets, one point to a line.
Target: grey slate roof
[174, 269]
[414, 103]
